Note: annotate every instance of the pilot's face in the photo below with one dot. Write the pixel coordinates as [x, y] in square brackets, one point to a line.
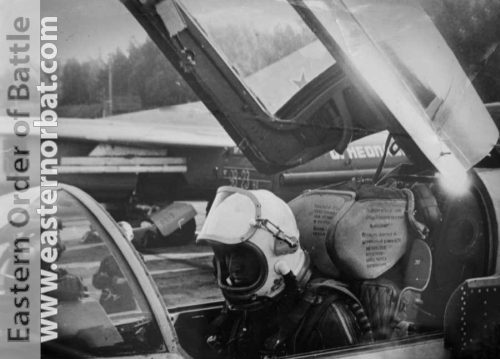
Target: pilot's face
[242, 266]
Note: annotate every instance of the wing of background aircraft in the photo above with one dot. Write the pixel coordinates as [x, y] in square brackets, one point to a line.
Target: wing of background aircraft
[189, 125]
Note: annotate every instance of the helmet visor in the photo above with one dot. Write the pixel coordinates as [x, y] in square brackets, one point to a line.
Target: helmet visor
[232, 218]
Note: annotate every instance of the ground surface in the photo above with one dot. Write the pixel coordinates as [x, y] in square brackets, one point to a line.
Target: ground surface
[184, 274]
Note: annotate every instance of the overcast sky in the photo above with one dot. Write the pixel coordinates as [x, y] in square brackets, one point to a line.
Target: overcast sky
[93, 28]
[87, 28]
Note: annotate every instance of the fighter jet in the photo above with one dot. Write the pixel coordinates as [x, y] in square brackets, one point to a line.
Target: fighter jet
[459, 282]
[390, 69]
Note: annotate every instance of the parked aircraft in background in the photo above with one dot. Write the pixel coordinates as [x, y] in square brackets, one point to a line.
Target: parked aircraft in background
[137, 163]
[182, 153]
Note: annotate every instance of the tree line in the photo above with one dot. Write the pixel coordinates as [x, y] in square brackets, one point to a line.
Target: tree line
[144, 79]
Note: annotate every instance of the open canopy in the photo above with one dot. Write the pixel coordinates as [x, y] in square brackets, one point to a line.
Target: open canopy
[359, 67]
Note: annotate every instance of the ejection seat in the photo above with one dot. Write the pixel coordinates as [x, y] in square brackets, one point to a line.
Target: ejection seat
[368, 238]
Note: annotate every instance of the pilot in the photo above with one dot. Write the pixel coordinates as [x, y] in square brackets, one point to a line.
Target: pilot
[116, 295]
[273, 306]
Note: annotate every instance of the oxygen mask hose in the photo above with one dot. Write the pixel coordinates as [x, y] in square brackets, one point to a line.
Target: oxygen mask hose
[291, 293]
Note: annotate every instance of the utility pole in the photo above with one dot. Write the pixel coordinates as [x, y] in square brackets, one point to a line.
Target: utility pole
[110, 87]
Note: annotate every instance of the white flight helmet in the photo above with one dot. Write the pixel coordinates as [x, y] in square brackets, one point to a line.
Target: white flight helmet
[259, 223]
